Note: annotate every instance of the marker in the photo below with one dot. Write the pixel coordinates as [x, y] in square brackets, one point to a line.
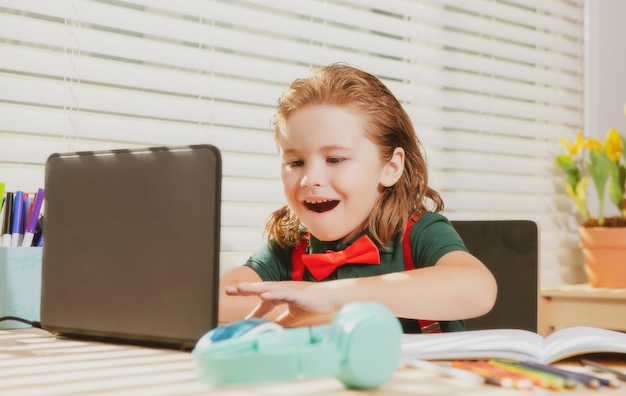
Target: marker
[8, 217]
[38, 238]
[2, 194]
[31, 225]
[18, 219]
[28, 207]
[2, 210]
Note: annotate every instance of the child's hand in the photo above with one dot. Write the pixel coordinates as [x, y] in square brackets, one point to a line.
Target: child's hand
[306, 303]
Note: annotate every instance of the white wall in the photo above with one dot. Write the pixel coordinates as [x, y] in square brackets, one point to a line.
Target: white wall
[605, 69]
[605, 97]
[605, 74]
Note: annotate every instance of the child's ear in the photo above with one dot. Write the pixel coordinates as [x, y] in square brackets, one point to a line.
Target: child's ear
[393, 168]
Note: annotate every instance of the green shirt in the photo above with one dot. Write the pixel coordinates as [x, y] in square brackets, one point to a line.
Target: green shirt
[431, 237]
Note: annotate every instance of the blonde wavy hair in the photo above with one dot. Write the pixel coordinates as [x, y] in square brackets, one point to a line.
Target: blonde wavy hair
[388, 126]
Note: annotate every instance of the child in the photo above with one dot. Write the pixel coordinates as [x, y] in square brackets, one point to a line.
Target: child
[353, 172]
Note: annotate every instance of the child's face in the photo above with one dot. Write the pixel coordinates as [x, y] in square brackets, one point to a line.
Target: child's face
[331, 173]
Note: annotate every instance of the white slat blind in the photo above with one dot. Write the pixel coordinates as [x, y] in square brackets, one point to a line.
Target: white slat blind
[489, 84]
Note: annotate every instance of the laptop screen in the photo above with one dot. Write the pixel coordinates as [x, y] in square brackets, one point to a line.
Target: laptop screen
[131, 244]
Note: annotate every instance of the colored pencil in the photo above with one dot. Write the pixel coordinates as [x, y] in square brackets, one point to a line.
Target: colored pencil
[447, 371]
[494, 375]
[604, 369]
[588, 380]
[521, 377]
[539, 378]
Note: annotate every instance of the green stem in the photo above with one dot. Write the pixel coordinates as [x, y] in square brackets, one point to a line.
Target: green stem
[601, 212]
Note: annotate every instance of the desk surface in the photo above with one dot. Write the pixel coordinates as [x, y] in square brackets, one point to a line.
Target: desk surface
[583, 290]
[581, 305]
[34, 362]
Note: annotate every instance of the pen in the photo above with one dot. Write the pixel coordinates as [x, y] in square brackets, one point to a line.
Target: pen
[447, 371]
[8, 217]
[31, 225]
[604, 369]
[18, 219]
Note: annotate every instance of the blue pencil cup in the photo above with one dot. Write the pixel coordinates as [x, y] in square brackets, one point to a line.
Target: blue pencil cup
[20, 285]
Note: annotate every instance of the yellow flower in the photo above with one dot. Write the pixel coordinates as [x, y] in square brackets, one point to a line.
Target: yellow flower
[576, 146]
[604, 163]
[613, 144]
[593, 144]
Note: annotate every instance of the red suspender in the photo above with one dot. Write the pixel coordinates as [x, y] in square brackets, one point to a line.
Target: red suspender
[297, 268]
[427, 326]
[406, 244]
[297, 265]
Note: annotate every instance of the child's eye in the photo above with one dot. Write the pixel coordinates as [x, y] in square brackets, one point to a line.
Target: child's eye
[295, 163]
[334, 160]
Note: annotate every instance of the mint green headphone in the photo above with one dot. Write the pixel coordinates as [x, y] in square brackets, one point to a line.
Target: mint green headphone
[360, 347]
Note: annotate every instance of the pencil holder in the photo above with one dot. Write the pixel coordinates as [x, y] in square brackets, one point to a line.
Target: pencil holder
[20, 285]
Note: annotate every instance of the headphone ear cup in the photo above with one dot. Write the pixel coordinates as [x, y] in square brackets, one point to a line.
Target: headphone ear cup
[368, 337]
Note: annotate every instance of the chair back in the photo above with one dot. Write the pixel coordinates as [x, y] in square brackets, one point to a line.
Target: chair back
[510, 249]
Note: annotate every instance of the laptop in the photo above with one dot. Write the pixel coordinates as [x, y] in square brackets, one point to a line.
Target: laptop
[131, 245]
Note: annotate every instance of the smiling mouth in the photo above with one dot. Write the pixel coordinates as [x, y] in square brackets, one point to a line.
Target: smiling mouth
[321, 206]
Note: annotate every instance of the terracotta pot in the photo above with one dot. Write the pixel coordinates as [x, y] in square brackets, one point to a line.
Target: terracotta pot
[604, 251]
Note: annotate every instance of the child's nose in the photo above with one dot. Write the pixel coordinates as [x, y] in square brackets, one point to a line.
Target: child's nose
[313, 176]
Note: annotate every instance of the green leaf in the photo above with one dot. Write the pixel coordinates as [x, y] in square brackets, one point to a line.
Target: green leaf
[579, 195]
[569, 167]
[600, 168]
[617, 185]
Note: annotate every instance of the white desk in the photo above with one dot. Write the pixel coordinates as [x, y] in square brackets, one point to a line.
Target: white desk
[34, 362]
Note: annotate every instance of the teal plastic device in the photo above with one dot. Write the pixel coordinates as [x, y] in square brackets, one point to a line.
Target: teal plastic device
[360, 347]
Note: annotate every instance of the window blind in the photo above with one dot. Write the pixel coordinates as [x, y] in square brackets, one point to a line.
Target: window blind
[489, 84]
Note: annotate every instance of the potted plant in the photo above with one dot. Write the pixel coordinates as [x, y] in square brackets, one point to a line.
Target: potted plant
[593, 165]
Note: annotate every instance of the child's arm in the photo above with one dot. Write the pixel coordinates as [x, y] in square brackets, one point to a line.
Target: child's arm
[238, 306]
[459, 286]
[232, 307]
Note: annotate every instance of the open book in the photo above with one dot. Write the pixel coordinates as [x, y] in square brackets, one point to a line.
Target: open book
[513, 344]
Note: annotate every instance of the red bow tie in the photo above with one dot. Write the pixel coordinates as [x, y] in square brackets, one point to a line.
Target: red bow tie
[362, 251]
